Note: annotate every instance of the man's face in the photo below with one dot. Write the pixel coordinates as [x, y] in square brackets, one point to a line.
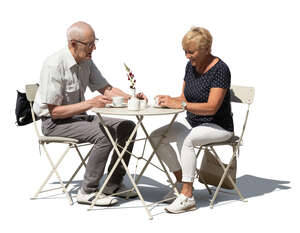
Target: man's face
[85, 47]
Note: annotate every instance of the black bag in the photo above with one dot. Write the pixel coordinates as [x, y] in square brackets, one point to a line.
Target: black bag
[23, 112]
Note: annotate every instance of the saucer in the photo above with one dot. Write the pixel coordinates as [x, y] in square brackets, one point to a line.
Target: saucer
[112, 106]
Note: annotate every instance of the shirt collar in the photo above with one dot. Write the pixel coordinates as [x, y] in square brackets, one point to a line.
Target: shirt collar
[70, 61]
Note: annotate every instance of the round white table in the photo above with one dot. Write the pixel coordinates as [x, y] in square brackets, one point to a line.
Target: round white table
[149, 111]
[123, 111]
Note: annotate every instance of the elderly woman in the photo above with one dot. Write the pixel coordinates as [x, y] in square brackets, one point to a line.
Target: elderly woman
[206, 98]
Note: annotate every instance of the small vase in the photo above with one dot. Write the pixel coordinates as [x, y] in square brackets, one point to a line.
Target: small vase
[133, 102]
[133, 92]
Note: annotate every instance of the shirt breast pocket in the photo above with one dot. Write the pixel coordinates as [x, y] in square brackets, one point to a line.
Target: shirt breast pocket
[72, 94]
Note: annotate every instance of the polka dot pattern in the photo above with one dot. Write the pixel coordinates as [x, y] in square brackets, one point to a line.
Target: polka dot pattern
[197, 87]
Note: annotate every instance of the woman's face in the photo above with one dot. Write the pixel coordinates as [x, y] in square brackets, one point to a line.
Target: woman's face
[194, 54]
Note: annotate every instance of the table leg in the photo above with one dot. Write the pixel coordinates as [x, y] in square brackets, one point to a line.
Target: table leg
[154, 152]
[123, 163]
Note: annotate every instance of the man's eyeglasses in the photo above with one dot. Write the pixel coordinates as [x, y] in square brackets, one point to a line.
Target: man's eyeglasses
[90, 44]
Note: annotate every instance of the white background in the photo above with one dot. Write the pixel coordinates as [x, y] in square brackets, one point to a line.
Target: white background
[259, 40]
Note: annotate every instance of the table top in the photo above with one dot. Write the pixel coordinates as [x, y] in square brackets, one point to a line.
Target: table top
[149, 111]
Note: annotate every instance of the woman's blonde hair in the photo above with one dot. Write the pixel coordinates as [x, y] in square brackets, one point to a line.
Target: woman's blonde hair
[200, 36]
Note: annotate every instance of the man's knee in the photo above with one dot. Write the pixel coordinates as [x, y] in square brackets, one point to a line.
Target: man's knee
[103, 136]
[125, 128]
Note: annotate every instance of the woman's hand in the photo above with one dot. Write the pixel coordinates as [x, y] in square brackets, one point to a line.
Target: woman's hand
[168, 101]
[142, 96]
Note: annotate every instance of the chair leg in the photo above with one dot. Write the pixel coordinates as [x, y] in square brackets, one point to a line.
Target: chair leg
[54, 171]
[229, 177]
[200, 177]
[224, 176]
[82, 160]
[200, 148]
[49, 175]
[220, 183]
[204, 182]
[80, 165]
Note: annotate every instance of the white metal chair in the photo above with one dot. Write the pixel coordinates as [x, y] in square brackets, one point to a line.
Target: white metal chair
[31, 90]
[243, 95]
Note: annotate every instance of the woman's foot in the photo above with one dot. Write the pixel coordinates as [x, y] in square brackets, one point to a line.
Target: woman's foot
[181, 204]
[171, 194]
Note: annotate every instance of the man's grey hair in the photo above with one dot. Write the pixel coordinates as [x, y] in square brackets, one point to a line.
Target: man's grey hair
[75, 31]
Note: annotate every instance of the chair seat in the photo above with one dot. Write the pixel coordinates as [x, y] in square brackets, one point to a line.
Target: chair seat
[230, 141]
[50, 139]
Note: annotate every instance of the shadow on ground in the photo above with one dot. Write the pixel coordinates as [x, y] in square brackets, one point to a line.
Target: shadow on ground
[154, 191]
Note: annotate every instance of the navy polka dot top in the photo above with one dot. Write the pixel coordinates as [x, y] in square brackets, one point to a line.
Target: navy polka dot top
[197, 87]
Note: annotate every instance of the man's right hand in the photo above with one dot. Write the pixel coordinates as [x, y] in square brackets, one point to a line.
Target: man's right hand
[100, 101]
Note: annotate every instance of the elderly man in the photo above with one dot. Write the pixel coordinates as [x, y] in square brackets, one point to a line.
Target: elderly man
[61, 105]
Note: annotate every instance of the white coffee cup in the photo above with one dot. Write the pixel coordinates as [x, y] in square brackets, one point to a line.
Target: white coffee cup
[117, 101]
[143, 104]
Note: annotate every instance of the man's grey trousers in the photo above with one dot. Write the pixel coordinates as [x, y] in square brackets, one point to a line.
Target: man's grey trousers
[86, 128]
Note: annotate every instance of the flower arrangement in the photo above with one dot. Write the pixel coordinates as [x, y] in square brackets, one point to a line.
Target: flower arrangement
[130, 77]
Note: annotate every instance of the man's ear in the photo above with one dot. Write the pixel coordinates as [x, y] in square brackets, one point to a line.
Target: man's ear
[73, 44]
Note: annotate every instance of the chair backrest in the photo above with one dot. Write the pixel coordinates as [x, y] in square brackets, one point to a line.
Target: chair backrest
[240, 94]
[31, 90]
[244, 95]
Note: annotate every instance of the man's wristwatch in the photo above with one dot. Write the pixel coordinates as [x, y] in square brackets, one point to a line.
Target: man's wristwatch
[183, 104]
